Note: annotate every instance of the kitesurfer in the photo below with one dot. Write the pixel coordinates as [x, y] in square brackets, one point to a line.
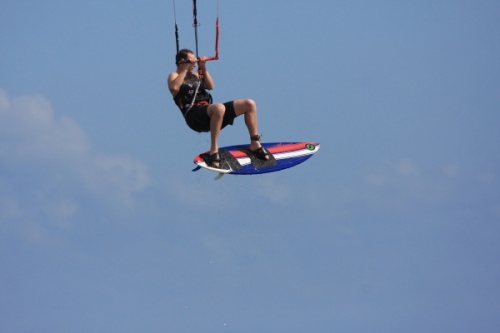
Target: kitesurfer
[190, 91]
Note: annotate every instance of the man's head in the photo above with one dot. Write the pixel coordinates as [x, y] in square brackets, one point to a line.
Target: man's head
[184, 55]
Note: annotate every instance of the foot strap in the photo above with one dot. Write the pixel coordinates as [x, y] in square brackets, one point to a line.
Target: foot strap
[261, 153]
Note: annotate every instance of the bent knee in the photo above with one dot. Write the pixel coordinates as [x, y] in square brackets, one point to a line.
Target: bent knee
[250, 103]
[245, 105]
[217, 109]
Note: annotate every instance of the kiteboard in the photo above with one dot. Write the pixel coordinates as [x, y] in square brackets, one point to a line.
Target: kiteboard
[239, 160]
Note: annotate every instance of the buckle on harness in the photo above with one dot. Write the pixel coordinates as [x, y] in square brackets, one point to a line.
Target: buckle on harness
[188, 107]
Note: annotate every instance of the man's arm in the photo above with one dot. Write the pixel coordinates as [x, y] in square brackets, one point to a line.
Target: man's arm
[175, 81]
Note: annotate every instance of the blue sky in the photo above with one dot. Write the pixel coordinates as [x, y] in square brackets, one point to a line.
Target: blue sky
[392, 227]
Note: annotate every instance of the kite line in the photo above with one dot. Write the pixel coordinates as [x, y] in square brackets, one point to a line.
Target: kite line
[195, 25]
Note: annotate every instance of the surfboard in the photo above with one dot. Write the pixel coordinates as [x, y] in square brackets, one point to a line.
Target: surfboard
[239, 160]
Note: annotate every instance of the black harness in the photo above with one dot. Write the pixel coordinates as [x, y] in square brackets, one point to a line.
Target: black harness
[192, 93]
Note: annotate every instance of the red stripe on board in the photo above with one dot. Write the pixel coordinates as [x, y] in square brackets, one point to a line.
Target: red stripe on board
[288, 147]
[279, 148]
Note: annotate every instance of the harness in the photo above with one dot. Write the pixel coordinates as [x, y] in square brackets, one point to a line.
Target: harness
[187, 97]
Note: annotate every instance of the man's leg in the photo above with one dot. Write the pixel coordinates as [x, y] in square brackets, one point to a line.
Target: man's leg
[248, 108]
[216, 114]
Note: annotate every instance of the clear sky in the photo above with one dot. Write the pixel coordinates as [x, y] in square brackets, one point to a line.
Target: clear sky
[393, 226]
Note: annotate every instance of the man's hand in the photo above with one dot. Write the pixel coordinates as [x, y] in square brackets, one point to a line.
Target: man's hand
[202, 61]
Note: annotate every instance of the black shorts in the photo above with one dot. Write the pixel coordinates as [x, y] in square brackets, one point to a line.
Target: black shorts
[198, 120]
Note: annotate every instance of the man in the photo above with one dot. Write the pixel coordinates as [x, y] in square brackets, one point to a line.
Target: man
[189, 89]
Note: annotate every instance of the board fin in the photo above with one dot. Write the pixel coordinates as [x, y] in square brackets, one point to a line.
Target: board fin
[219, 175]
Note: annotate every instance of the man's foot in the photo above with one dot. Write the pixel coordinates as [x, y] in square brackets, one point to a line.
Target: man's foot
[214, 160]
[261, 153]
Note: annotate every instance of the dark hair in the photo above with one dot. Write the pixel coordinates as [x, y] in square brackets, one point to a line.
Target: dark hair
[182, 55]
